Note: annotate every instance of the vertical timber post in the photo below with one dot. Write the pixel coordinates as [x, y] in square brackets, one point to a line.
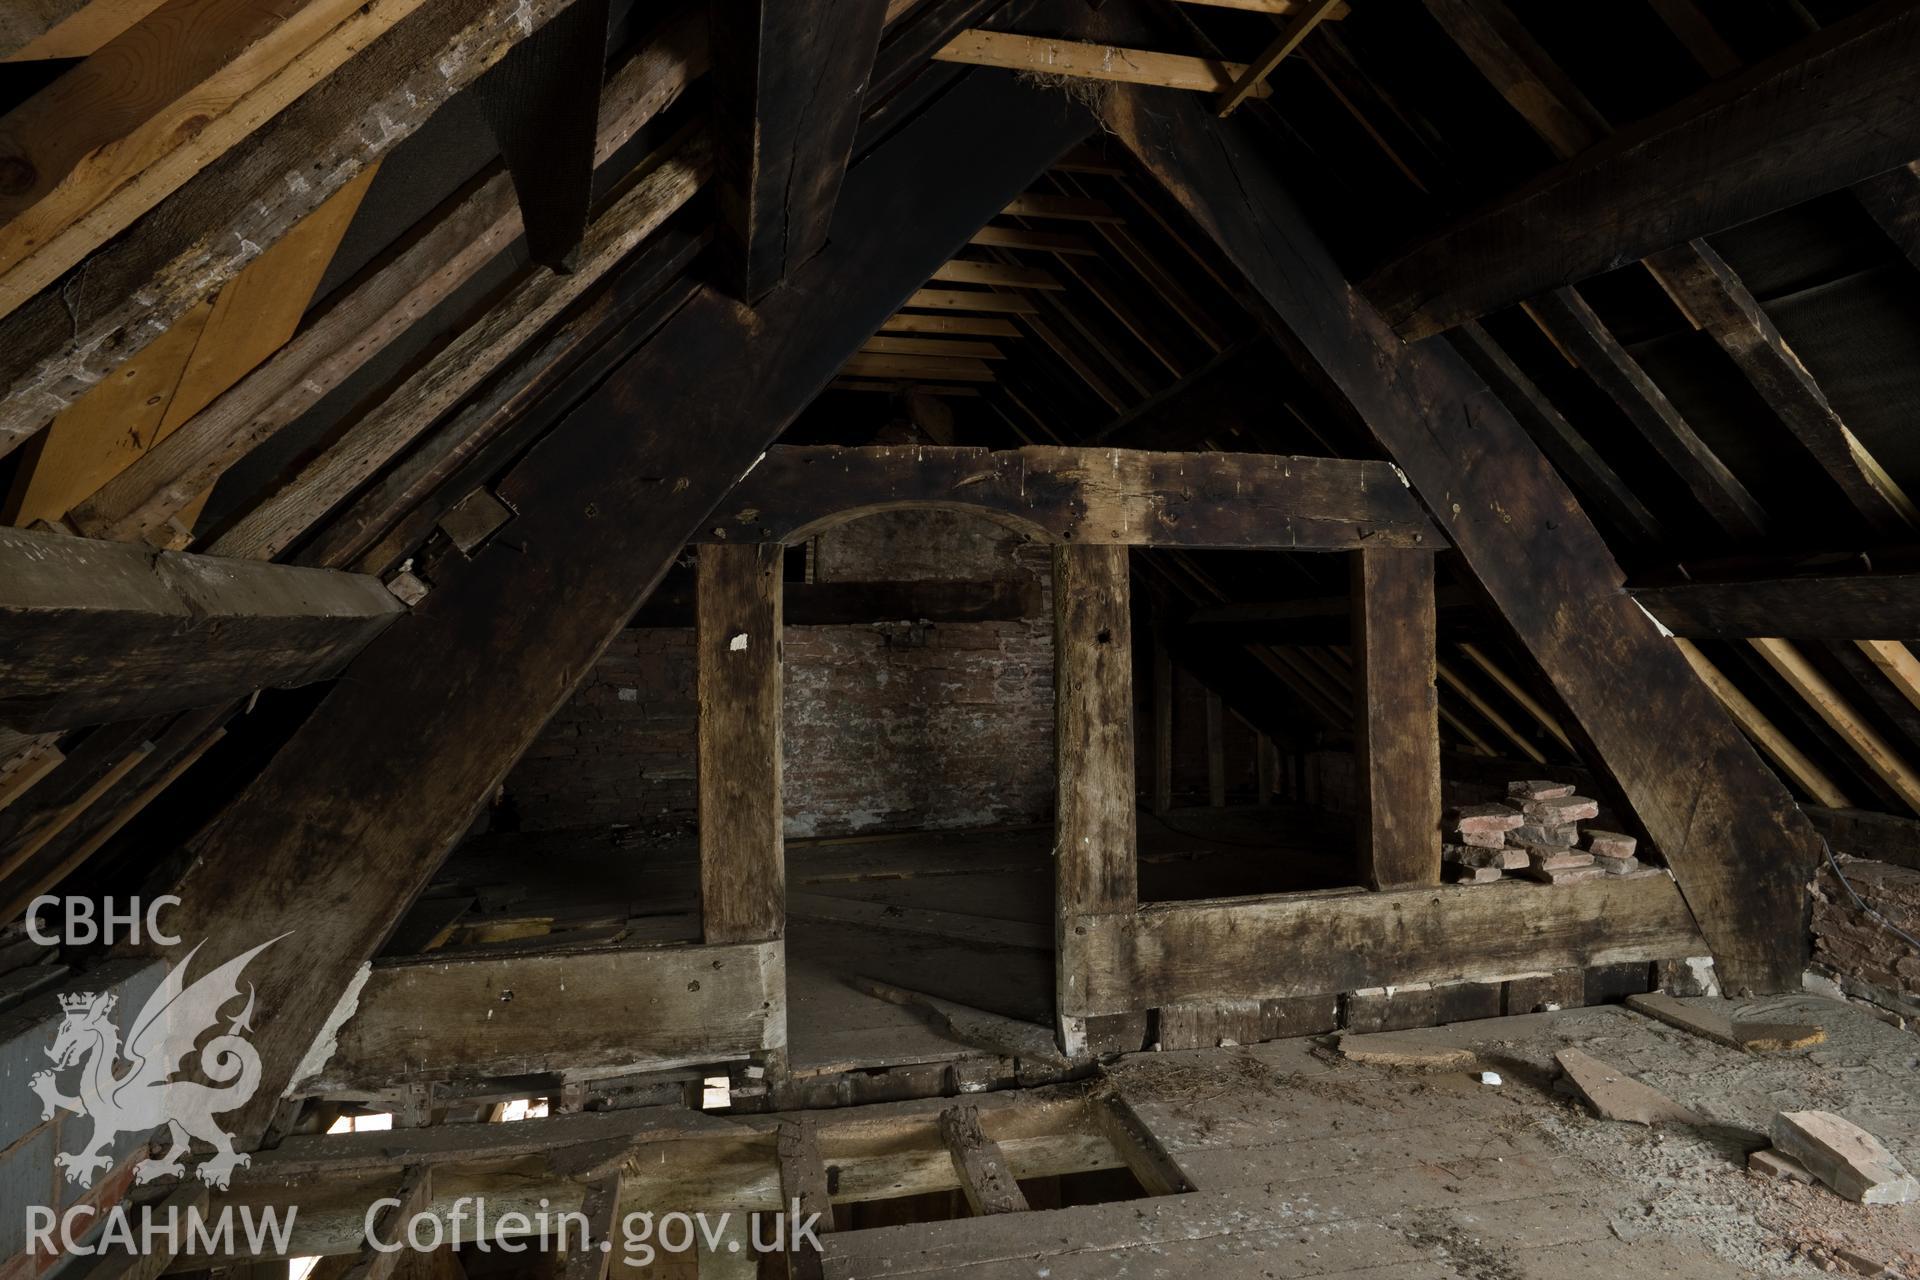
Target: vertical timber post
[1095, 868]
[743, 896]
[1396, 719]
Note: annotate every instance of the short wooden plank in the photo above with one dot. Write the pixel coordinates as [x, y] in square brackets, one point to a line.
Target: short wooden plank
[1307, 944]
[98, 631]
[601, 1209]
[985, 1178]
[1396, 735]
[601, 1010]
[737, 651]
[410, 1199]
[803, 1187]
[1144, 1154]
[1108, 496]
[1822, 115]
[1040, 56]
[995, 1033]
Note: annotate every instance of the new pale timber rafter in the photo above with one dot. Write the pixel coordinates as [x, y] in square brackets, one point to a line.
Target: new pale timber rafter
[33, 30]
[114, 136]
[1823, 115]
[1689, 777]
[127, 415]
[605, 504]
[132, 289]
[458, 242]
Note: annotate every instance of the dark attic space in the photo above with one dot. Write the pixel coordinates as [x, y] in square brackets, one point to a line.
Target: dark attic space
[994, 639]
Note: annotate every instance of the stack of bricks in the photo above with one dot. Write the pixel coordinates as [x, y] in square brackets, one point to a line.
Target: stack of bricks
[1536, 832]
[1482, 853]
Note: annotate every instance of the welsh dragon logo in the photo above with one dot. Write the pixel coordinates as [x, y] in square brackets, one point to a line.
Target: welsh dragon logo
[125, 1089]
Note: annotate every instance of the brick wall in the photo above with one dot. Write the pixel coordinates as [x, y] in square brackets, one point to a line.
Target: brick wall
[888, 726]
[1869, 961]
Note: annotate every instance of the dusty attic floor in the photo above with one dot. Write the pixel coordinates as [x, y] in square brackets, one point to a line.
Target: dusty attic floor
[1309, 1165]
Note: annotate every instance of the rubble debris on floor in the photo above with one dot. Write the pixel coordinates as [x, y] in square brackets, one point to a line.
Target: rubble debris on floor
[1705, 1020]
[1845, 1157]
[1613, 1095]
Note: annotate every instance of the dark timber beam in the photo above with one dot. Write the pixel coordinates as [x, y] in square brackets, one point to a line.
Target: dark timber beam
[1866, 834]
[1827, 113]
[1859, 606]
[1297, 944]
[604, 1010]
[1566, 318]
[844, 604]
[92, 632]
[605, 504]
[1737, 844]
[1717, 300]
[543, 103]
[788, 81]
[1111, 496]
[1396, 736]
